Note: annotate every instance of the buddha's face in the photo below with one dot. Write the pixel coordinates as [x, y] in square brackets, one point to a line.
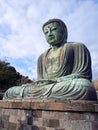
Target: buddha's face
[53, 33]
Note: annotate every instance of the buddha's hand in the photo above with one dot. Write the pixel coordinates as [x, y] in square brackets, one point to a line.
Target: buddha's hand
[45, 81]
[67, 77]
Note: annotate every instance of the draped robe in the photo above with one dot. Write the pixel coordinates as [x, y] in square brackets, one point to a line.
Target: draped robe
[67, 76]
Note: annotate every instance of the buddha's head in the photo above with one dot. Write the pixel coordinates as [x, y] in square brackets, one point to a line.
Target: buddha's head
[55, 32]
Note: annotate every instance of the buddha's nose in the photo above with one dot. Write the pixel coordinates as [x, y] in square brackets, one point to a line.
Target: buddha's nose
[49, 32]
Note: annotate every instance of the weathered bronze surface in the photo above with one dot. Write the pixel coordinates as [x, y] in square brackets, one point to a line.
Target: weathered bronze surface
[64, 70]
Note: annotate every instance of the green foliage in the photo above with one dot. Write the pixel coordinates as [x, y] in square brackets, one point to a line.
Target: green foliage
[8, 75]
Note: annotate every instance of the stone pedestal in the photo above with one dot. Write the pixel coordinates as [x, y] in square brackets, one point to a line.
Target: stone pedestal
[48, 115]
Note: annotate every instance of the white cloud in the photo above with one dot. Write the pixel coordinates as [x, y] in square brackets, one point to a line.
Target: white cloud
[25, 18]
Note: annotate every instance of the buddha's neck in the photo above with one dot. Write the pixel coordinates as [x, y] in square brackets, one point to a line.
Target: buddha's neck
[55, 48]
[55, 51]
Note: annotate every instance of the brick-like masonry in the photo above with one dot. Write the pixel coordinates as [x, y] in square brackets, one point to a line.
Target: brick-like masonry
[48, 115]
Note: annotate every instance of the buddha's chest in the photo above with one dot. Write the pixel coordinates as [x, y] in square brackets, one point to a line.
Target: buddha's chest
[52, 64]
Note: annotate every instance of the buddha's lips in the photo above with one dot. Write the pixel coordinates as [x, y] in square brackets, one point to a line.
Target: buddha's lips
[51, 37]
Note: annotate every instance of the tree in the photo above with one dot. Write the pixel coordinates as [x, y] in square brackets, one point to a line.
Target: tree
[10, 77]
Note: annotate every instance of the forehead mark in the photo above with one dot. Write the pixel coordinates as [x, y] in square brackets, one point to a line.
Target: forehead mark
[50, 25]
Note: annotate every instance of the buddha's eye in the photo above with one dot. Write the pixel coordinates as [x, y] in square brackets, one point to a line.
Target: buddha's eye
[46, 31]
[54, 28]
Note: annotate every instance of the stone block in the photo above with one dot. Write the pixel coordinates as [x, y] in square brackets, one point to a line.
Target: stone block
[12, 126]
[96, 107]
[26, 104]
[37, 128]
[30, 121]
[46, 122]
[4, 104]
[89, 116]
[75, 116]
[54, 123]
[95, 125]
[38, 122]
[37, 113]
[95, 117]
[40, 128]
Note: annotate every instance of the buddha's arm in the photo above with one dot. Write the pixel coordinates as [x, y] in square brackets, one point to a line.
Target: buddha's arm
[82, 61]
[40, 68]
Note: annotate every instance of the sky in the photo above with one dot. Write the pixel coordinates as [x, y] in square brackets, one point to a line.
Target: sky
[21, 36]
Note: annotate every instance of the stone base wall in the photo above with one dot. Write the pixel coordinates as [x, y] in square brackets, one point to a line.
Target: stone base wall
[48, 115]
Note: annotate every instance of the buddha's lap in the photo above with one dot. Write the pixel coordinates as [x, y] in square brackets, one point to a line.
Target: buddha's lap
[63, 85]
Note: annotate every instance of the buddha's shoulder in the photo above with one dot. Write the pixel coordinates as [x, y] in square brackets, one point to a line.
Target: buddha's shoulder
[74, 44]
[44, 54]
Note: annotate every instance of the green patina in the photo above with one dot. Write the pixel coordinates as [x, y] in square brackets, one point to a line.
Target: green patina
[64, 70]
